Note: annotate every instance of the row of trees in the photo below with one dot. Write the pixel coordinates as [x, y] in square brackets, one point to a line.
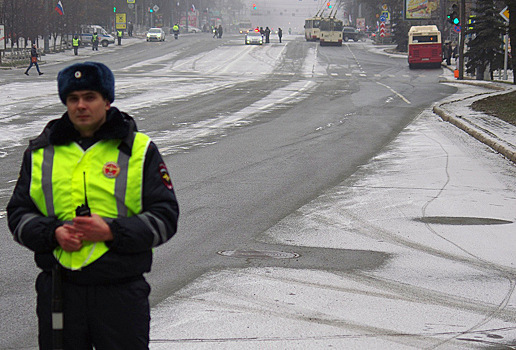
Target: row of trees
[32, 19]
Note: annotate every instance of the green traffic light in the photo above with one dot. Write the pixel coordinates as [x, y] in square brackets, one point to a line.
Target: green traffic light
[114, 9]
[456, 21]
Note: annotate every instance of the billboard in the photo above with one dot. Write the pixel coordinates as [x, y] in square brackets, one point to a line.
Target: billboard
[421, 9]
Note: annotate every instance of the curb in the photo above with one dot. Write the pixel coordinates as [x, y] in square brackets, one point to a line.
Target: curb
[479, 135]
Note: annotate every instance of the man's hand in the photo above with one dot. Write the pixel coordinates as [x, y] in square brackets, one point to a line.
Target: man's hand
[68, 238]
[92, 228]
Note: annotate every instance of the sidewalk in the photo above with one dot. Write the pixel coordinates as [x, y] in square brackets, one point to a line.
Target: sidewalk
[494, 132]
[68, 55]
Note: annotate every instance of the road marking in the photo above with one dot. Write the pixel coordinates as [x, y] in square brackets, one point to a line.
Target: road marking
[394, 91]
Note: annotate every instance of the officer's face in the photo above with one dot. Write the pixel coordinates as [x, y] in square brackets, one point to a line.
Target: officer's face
[87, 111]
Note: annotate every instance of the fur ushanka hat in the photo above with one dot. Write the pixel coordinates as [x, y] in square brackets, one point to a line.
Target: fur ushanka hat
[86, 76]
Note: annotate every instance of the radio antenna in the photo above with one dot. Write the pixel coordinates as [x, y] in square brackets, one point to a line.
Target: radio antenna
[85, 196]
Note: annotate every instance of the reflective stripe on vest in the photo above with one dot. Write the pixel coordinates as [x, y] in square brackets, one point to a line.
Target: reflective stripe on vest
[113, 184]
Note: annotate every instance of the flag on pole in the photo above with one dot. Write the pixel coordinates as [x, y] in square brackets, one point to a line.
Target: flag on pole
[59, 8]
[193, 8]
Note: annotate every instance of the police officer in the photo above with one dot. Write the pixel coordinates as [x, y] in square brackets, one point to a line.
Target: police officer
[93, 157]
[175, 30]
[119, 36]
[95, 42]
[75, 43]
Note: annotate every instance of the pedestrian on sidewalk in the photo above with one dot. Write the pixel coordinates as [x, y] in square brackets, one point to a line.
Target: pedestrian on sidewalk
[94, 219]
[280, 34]
[33, 59]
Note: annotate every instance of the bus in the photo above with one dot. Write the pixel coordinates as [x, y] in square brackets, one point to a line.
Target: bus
[312, 31]
[331, 31]
[424, 46]
[244, 27]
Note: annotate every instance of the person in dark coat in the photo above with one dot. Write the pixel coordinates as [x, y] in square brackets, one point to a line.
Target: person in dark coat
[219, 31]
[94, 219]
[33, 59]
[447, 52]
[280, 34]
[267, 32]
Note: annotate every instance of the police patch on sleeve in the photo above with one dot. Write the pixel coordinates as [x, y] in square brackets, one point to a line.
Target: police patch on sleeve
[165, 177]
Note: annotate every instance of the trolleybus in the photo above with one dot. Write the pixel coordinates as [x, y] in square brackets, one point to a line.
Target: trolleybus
[331, 31]
[424, 46]
[312, 30]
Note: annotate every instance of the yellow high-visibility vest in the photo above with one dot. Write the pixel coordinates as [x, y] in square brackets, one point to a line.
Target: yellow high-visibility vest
[75, 42]
[113, 181]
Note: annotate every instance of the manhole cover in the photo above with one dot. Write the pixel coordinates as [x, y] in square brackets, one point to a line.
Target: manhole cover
[461, 220]
[258, 254]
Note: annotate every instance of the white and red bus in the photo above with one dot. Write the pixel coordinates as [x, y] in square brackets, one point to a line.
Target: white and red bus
[424, 46]
[312, 31]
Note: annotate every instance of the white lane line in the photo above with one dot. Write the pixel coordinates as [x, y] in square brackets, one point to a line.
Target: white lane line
[394, 91]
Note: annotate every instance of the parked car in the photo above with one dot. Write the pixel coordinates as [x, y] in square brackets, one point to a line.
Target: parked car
[253, 38]
[191, 29]
[156, 34]
[350, 33]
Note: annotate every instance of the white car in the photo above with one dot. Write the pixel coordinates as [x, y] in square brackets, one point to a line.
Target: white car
[253, 38]
[156, 34]
[190, 29]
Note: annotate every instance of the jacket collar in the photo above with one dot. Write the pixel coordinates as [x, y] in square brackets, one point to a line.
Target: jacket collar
[118, 125]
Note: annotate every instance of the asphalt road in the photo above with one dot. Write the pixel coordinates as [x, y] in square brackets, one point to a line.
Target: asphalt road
[250, 134]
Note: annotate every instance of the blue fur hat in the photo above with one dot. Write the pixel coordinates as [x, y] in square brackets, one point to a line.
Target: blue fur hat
[86, 76]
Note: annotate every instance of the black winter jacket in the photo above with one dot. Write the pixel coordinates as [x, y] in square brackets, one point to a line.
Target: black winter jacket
[130, 253]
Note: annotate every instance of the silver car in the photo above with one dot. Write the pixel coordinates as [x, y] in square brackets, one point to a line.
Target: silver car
[156, 34]
[253, 38]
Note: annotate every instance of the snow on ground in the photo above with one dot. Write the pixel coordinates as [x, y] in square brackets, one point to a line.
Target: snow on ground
[439, 203]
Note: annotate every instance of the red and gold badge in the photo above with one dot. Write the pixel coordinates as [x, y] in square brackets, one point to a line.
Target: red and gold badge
[165, 177]
[111, 170]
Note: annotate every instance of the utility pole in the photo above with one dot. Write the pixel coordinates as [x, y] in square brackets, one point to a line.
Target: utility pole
[46, 44]
[463, 26]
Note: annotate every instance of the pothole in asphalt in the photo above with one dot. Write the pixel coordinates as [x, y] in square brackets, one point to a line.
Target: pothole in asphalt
[258, 254]
[461, 220]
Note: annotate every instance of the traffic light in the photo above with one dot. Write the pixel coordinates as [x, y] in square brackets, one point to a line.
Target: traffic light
[114, 9]
[453, 16]
[151, 10]
[254, 6]
[329, 5]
